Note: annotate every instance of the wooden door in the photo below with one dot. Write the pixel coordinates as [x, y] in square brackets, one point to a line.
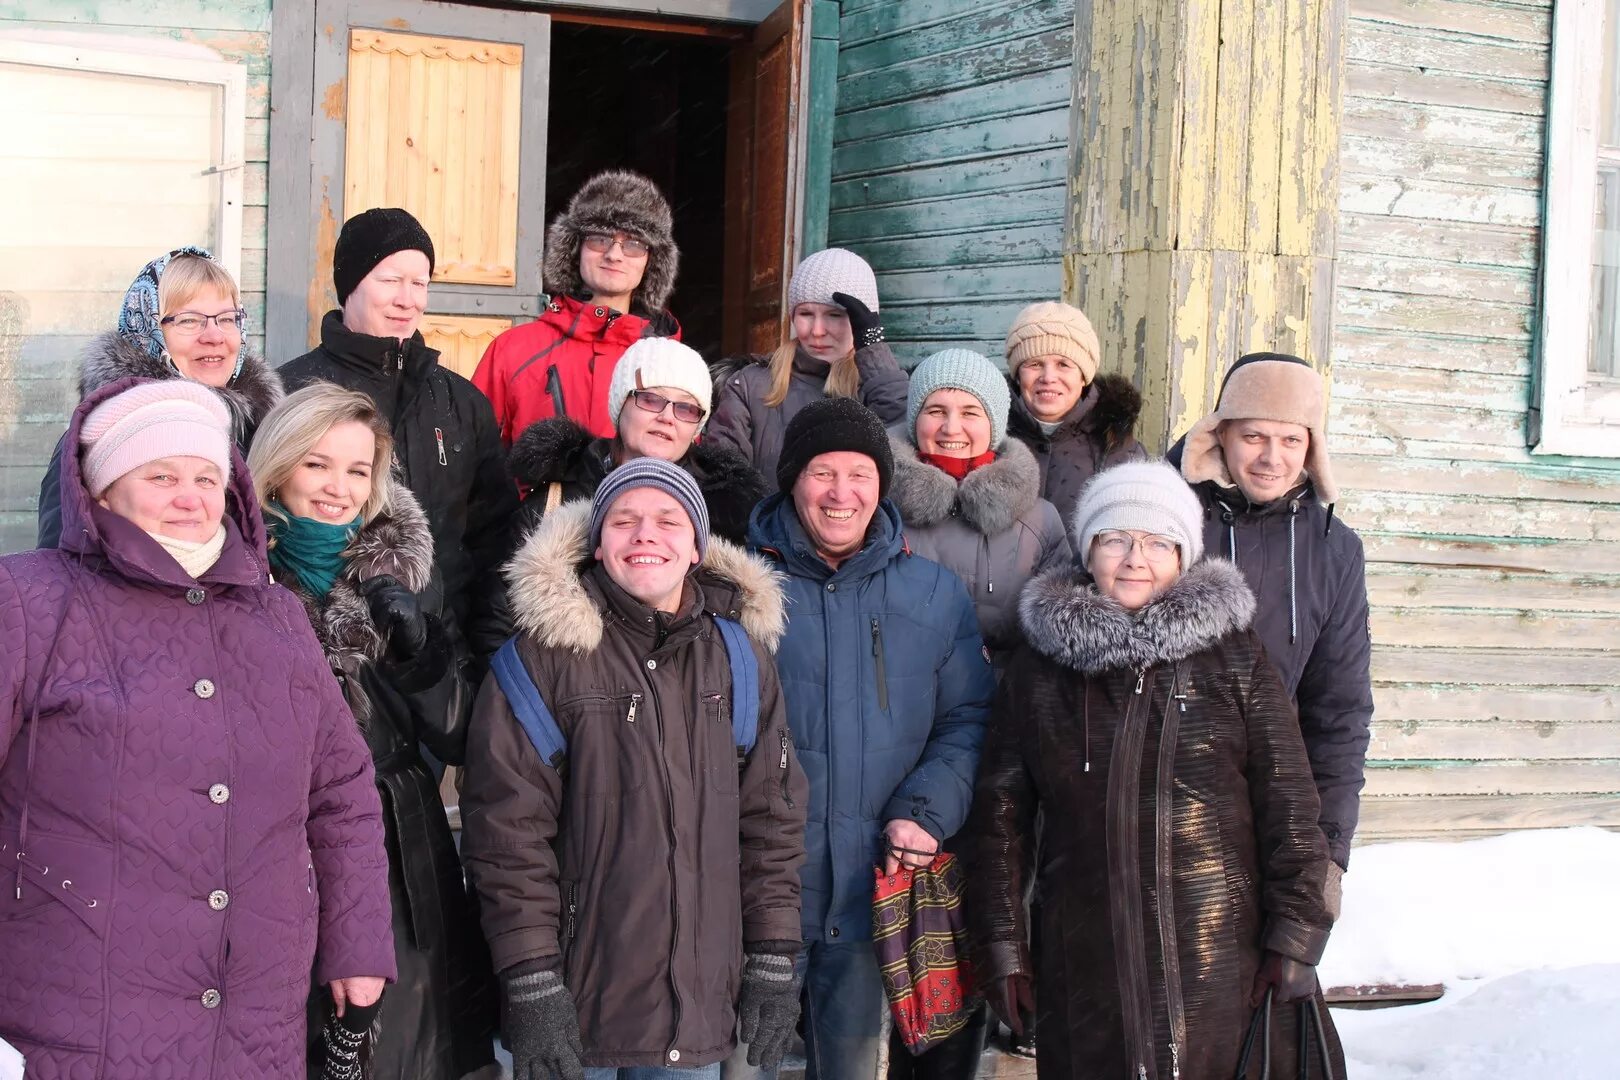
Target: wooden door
[441, 110]
[765, 175]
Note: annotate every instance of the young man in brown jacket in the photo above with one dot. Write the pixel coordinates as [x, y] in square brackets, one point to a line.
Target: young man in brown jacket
[633, 838]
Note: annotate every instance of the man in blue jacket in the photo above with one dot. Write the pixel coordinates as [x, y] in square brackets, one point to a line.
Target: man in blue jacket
[888, 688]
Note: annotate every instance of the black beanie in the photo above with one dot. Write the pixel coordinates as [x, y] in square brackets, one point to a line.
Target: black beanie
[369, 238]
[828, 426]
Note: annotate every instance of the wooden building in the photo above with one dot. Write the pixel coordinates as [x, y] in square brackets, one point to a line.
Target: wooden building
[1420, 196]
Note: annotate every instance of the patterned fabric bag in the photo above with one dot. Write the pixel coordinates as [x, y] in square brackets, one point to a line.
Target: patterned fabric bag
[921, 941]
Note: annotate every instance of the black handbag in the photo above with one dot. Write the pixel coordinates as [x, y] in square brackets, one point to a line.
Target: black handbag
[1310, 1028]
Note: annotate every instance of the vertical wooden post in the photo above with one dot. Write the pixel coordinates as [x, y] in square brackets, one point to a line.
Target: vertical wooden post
[1204, 188]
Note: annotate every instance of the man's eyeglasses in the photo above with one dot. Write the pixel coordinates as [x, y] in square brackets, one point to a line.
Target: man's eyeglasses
[1156, 549]
[602, 243]
[654, 403]
[191, 323]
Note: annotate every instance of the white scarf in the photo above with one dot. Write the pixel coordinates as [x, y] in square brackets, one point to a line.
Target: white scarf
[194, 556]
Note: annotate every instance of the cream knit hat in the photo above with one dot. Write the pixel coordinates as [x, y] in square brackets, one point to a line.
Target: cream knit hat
[1148, 496]
[834, 270]
[171, 418]
[1053, 329]
[660, 361]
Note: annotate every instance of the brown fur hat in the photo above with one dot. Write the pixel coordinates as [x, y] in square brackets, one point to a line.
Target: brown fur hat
[1264, 386]
[610, 202]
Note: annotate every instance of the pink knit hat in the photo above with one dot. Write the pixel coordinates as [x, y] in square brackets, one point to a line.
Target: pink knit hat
[172, 418]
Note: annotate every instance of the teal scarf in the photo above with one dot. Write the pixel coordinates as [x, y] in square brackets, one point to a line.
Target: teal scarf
[309, 550]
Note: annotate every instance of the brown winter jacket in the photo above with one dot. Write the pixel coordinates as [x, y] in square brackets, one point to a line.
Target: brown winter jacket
[1180, 836]
[650, 860]
[1097, 433]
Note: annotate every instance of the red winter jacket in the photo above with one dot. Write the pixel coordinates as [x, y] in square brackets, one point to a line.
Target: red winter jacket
[561, 365]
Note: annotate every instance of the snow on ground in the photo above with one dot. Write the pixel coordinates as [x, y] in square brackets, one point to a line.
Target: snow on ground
[1522, 930]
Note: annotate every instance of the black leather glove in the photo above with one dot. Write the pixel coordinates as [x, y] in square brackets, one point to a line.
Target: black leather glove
[863, 321]
[1293, 980]
[1011, 998]
[396, 614]
[542, 1026]
[768, 1008]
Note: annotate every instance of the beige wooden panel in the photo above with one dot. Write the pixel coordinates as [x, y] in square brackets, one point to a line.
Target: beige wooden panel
[1485, 740]
[1462, 816]
[1495, 778]
[462, 339]
[1414, 703]
[433, 126]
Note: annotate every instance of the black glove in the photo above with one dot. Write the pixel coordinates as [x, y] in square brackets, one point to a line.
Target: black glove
[1011, 998]
[343, 1041]
[397, 615]
[542, 1027]
[768, 1009]
[863, 321]
[1294, 980]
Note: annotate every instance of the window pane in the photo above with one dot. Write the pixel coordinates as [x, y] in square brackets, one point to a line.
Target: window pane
[1609, 124]
[99, 173]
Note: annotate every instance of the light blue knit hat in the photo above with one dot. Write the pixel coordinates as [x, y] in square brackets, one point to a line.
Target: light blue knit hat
[961, 369]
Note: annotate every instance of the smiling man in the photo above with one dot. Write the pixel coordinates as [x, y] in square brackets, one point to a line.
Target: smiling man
[887, 686]
[1259, 464]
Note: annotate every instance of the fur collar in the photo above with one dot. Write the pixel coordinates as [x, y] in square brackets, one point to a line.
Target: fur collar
[1108, 413]
[110, 357]
[991, 498]
[549, 600]
[1065, 618]
[549, 451]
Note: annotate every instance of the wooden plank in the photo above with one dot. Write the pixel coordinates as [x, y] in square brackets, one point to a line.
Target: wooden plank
[1509, 22]
[461, 339]
[1369, 155]
[1455, 349]
[1534, 480]
[1035, 131]
[1493, 778]
[968, 247]
[1523, 631]
[1469, 427]
[1456, 816]
[1435, 386]
[1495, 667]
[1446, 241]
[1439, 200]
[1408, 705]
[1447, 51]
[1372, 309]
[975, 27]
[1015, 172]
[1546, 740]
[999, 208]
[995, 100]
[1441, 125]
[970, 67]
[1265, 132]
[1535, 555]
[1418, 275]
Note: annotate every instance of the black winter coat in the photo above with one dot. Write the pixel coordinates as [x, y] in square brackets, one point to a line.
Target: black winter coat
[437, 1020]
[1179, 839]
[1097, 433]
[561, 451]
[448, 451]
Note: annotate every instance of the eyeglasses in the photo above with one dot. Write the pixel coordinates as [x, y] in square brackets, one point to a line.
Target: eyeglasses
[191, 323]
[654, 403]
[1156, 549]
[602, 243]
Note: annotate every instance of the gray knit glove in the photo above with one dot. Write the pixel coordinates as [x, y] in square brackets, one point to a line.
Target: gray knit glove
[542, 1027]
[768, 1008]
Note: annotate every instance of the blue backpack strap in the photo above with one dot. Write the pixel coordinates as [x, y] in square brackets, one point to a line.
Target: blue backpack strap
[527, 704]
[744, 684]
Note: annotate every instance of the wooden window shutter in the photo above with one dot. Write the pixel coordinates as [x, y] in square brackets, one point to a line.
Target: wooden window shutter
[433, 126]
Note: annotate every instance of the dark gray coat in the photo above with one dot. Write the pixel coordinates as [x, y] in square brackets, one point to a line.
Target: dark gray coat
[743, 422]
[993, 530]
[1097, 433]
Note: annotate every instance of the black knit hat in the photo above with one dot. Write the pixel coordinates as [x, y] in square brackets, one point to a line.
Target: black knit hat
[369, 238]
[828, 426]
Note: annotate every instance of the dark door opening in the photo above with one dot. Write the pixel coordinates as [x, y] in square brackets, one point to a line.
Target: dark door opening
[655, 103]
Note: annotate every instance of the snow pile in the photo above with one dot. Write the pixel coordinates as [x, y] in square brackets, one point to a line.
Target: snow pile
[1419, 913]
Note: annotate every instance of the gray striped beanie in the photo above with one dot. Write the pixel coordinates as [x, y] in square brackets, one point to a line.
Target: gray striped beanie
[654, 473]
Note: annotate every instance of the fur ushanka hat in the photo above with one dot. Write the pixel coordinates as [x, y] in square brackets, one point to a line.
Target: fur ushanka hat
[610, 202]
[1264, 386]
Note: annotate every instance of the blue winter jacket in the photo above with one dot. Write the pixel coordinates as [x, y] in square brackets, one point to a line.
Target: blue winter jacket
[888, 689]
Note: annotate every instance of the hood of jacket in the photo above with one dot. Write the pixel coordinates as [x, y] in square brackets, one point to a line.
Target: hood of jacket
[991, 498]
[1107, 411]
[1066, 618]
[623, 202]
[549, 599]
[91, 530]
[111, 357]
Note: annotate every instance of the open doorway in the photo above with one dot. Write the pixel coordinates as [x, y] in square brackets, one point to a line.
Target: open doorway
[655, 103]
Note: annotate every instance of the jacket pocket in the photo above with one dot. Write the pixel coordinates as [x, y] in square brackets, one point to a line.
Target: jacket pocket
[554, 390]
[55, 873]
[606, 746]
[725, 759]
[877, 662]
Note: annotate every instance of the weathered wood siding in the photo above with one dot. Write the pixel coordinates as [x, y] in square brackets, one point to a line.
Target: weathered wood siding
[1494, 577]
[950, 148]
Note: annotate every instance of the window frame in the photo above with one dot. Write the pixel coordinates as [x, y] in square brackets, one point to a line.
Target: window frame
[1575, 412]
[162, 64]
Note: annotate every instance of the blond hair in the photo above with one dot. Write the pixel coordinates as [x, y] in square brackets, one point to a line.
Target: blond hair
[187, 275]
[290, 431]
[843, 378]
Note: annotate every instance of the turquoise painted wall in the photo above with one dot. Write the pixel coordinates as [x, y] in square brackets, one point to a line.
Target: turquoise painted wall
[950, 147]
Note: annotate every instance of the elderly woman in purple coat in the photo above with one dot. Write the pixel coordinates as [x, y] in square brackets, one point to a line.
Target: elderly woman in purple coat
[188, 821]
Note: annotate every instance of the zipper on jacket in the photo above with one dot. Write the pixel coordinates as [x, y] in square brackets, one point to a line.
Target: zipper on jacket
[1140, 675]
[782, 765]
[1164, 815]
[635, 704]
[882, 674]
[554, 388]
[1125, 874]
[572, 928]
[674, 894]
[438, 437]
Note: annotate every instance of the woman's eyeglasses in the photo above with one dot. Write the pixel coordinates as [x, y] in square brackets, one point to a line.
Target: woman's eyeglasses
[654, 403]
[1156, 549]
[191, 323]
[602, 243]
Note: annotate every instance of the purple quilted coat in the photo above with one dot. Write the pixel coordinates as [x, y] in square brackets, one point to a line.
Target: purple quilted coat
[188, 821]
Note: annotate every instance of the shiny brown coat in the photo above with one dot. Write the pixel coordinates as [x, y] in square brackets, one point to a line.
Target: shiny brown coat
[1180, 837]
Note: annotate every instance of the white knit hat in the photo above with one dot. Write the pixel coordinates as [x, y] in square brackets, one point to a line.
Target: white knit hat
[660, 361]
[171, 418]
[1148, 496]
[834, 270]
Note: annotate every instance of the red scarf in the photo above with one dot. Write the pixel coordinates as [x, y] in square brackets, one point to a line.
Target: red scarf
[956, 467]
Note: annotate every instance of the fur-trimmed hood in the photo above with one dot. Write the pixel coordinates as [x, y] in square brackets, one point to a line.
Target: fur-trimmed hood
[991, 498]
[615, 201]
[254, 392]
[1066, 618]
[549, 599]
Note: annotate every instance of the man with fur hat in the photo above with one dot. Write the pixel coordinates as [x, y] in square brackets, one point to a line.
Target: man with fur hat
[609, 269]
[636, 859]
[888, 687]
[1259, 465]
